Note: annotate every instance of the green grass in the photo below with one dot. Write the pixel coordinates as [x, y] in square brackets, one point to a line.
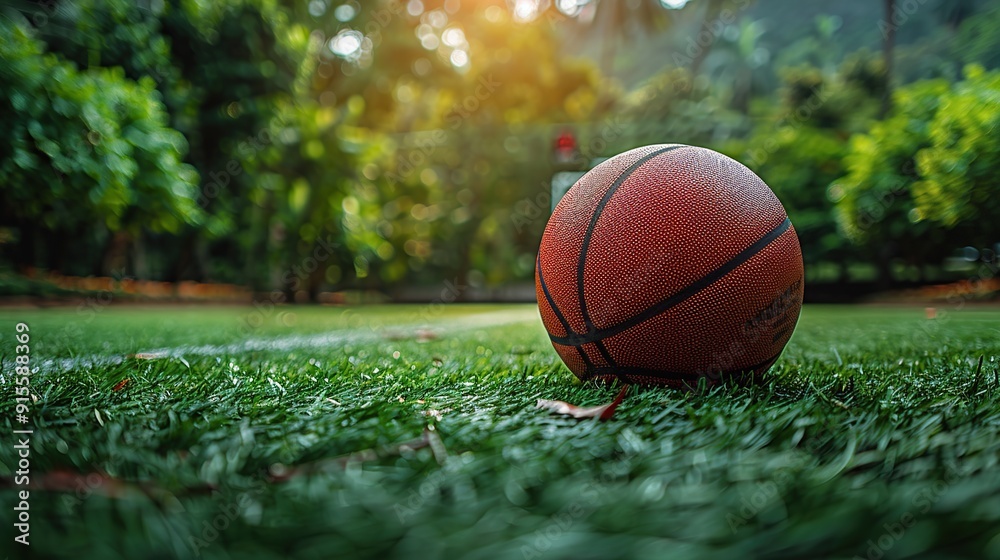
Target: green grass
[874, 431]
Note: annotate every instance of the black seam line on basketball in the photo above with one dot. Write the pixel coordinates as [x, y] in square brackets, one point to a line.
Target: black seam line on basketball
[562, 319]
[611, 362]
[605, 354]
[548, 296]
[662, 374]
[665, 304]
[593, 223]
[588, 365]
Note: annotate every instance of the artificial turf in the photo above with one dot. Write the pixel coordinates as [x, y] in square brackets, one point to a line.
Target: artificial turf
[411, 432]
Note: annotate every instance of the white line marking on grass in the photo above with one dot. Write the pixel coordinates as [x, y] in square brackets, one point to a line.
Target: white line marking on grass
[444, 326]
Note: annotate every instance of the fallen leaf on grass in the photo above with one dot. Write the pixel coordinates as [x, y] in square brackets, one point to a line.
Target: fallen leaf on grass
[435, 414]
[426, 335]
[120, 385]
[420, 335]
[98, 482]
[148, 355]
[603, 412]
[436, 445]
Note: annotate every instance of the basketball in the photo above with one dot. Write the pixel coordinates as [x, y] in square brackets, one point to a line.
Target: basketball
[666, 264]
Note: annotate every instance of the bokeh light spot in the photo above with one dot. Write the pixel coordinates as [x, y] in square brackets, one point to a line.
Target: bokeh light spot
[437, 18]
[459, 58]
[346, 43]
[453, 37]
[494, 14]
[317, 8]
[421, 66]
[344, 12]
[525, 10]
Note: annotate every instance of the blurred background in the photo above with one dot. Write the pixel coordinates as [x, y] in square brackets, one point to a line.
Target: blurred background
[336, 151]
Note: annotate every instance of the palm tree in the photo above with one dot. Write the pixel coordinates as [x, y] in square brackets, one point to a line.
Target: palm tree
[615, 21]
[738, 63]
[888, 42]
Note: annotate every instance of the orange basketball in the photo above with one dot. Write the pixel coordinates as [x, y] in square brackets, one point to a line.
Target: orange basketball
[668, 263]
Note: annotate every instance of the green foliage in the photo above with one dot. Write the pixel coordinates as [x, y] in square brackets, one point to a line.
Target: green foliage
[446, 155]
[958, 170]
[673, 106]
[223, 70]
[798, 148]
[417, 165]
[874, 201]
[977, 41]
[87, 146]
[923, 171]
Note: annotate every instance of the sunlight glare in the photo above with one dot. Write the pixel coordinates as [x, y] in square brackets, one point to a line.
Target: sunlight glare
[570, 8]
[346, 43]
[453, 37]
[674, 4]
[344, 12]
[459, 59]
[525, 10]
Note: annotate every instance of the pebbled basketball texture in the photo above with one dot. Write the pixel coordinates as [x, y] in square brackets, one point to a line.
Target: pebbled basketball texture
[668, 263]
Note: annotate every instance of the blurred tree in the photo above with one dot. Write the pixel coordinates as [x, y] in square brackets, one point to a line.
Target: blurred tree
[221, 69]
[621, 19]
[455, 122]
[824, 48]
[670, 105]
[977, 40]
[799, 148]
[738, 66]
[958, 188]
[954, 12]
[888, 28]
[613, 21]
[84, 148]
[875, 202]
